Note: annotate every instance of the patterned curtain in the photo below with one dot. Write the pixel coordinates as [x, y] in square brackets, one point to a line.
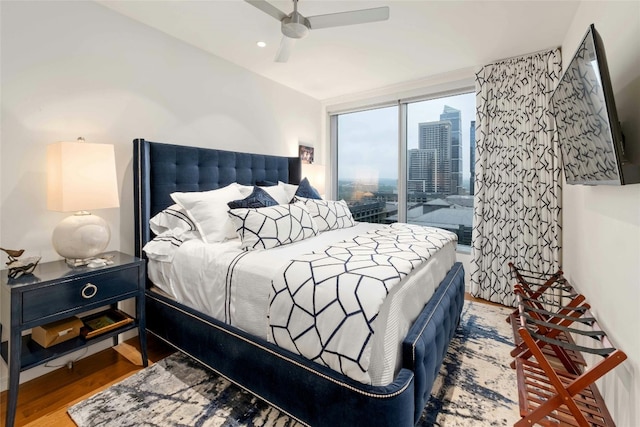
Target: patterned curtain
[518, 183]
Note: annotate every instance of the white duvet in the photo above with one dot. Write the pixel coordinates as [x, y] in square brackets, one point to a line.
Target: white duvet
[233, 286]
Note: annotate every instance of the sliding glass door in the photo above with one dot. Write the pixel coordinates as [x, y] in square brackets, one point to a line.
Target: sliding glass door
[409, 162]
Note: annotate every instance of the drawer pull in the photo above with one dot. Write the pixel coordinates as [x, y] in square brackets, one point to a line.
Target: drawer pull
[89, 291]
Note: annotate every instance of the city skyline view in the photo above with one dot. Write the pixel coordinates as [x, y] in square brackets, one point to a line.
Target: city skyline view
[438, 163]
[368, 140]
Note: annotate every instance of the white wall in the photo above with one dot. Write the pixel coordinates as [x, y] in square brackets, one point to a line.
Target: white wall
[72, 69]
[601, 225]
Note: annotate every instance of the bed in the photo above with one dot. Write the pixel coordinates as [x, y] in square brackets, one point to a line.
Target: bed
[310, 392]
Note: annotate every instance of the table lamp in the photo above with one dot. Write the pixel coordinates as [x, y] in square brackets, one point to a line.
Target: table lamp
[81, 176]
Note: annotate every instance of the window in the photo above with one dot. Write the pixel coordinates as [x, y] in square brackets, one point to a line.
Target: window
[367, 150]
[439, 192]
[437, 145]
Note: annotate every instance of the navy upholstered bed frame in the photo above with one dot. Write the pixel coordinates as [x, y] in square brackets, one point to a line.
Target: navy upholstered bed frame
[313, 394]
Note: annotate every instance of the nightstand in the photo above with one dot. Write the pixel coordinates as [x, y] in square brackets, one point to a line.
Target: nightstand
[56, 291]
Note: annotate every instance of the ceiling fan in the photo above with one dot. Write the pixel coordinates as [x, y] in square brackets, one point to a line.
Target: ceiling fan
[295, 26]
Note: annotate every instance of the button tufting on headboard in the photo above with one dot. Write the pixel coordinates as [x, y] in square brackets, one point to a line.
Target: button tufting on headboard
[161, 169]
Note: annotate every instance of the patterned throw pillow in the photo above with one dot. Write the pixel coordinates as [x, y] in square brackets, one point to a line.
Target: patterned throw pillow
[329, 214]
[306, 190]
[257, 199]
[265, 228]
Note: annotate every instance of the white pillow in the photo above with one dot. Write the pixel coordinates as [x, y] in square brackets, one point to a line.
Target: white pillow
[329, 214]
[289, 189]
[208, 209]
[164, 246]
[244, 189]
[264, 228]
[172, 218]
[278, 193]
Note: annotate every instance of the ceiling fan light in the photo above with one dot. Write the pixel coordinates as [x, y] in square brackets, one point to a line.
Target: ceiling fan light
[294, 31]
[295, 26]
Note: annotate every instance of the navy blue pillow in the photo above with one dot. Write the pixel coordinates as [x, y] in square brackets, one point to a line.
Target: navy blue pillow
[257, 199]
[266, 183]
[306, 190]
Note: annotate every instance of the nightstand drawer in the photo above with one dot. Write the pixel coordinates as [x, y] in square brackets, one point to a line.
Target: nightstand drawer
[65, 296]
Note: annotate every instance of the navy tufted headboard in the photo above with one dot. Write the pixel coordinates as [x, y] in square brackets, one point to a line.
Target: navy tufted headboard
[161, 169]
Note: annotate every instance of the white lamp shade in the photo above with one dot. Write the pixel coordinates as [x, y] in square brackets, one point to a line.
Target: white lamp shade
[81, 176]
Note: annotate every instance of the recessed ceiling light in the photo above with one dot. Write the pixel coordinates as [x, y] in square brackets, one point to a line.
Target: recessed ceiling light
[261, 44]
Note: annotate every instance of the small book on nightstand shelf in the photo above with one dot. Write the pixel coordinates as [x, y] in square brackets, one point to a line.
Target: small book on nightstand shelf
[105, 321]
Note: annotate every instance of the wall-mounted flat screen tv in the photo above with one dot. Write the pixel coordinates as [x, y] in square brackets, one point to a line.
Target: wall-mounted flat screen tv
[590, 136]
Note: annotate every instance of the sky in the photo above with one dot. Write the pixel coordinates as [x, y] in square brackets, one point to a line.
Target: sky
[368, 140]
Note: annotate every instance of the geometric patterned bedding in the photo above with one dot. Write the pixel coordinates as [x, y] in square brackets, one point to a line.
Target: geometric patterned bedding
[323, 304]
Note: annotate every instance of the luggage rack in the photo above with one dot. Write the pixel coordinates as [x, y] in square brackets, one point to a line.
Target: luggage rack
[540, 292]
[555, 386]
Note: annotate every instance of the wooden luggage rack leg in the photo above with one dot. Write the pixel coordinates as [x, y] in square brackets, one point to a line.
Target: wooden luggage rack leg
[555, 327]
[577, 393]
[553, 395]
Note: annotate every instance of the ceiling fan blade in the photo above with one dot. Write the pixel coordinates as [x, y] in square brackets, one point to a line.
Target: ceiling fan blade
[349, 18]
[285, 49]
[268, 8]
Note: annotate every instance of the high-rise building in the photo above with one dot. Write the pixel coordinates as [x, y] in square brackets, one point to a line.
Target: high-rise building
[453, 116]
[430, 164]
[422, 171]
[472, 157]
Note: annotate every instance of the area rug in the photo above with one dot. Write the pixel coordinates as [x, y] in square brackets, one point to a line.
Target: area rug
[475, 387]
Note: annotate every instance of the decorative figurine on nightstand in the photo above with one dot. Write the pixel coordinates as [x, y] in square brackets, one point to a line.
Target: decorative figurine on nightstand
[19, 267]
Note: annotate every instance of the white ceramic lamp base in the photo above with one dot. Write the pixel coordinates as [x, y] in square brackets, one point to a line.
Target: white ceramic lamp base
[80, 237]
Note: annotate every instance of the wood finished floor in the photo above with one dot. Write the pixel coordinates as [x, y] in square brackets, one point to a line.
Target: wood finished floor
[43, 402]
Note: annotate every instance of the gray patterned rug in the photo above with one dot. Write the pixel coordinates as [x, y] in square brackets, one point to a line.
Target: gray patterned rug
[475, 387]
